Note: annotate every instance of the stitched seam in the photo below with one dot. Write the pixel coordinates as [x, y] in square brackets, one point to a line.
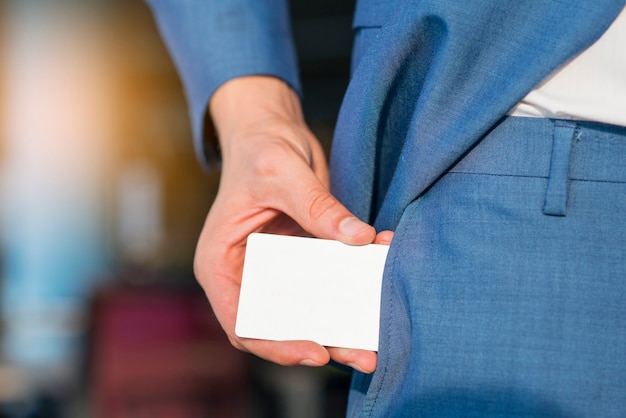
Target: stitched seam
[496, 175]
[599, 181]
[393, 311]
[535, 177]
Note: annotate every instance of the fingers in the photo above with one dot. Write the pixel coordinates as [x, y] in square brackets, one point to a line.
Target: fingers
[384, 237]
[313, 207]
[287, 353]
[307, 353]
[360, 360]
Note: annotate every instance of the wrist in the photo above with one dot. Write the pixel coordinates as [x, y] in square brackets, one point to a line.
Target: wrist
[245, 103]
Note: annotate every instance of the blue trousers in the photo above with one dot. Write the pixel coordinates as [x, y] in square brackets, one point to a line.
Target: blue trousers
[505, 286]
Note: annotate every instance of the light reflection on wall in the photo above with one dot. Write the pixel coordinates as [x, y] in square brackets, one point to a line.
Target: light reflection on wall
[97, 172]
[152, 136]
[58, 113]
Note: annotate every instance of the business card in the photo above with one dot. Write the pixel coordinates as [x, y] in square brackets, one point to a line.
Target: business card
[296, 288]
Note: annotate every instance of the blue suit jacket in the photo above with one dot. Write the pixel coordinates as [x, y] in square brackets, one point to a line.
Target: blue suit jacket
[430, 79]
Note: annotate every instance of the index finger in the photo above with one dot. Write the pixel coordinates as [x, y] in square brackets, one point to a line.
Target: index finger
[287, 353]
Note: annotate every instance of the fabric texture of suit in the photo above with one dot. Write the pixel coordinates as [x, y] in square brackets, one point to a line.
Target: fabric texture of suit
[503, 292]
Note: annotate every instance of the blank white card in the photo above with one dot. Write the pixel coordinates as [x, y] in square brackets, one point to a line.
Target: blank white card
[296, 288]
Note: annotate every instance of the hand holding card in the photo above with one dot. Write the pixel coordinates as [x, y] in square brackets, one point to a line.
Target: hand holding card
[296, 288]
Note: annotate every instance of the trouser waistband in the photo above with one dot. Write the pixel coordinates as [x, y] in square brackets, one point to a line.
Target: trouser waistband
[560, 150]
[520, 146]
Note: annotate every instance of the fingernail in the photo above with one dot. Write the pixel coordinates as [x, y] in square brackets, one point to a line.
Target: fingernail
[355, 367]
[352, 226]
[309, 363]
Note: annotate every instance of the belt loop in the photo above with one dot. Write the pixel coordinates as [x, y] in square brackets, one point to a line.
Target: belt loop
[558, 181]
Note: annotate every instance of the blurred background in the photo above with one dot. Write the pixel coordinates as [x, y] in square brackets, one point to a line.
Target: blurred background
[101, 202]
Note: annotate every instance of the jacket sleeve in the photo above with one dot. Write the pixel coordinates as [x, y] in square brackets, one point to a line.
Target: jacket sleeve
[213, 41]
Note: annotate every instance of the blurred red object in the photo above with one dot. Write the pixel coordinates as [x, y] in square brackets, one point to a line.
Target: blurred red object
[161, 353]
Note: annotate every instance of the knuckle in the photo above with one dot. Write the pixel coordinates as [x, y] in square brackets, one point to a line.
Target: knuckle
[320, 203]
[198, 269]
[234, 341]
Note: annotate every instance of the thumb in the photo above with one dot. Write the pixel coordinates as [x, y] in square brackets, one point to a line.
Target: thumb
[320, 213]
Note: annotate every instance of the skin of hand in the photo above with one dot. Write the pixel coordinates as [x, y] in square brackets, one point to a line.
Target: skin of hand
[274, 179]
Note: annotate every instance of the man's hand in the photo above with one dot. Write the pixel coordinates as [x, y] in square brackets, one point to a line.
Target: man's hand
[274, 179]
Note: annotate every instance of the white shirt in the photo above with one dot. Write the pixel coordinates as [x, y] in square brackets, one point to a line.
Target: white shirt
[590, 87]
